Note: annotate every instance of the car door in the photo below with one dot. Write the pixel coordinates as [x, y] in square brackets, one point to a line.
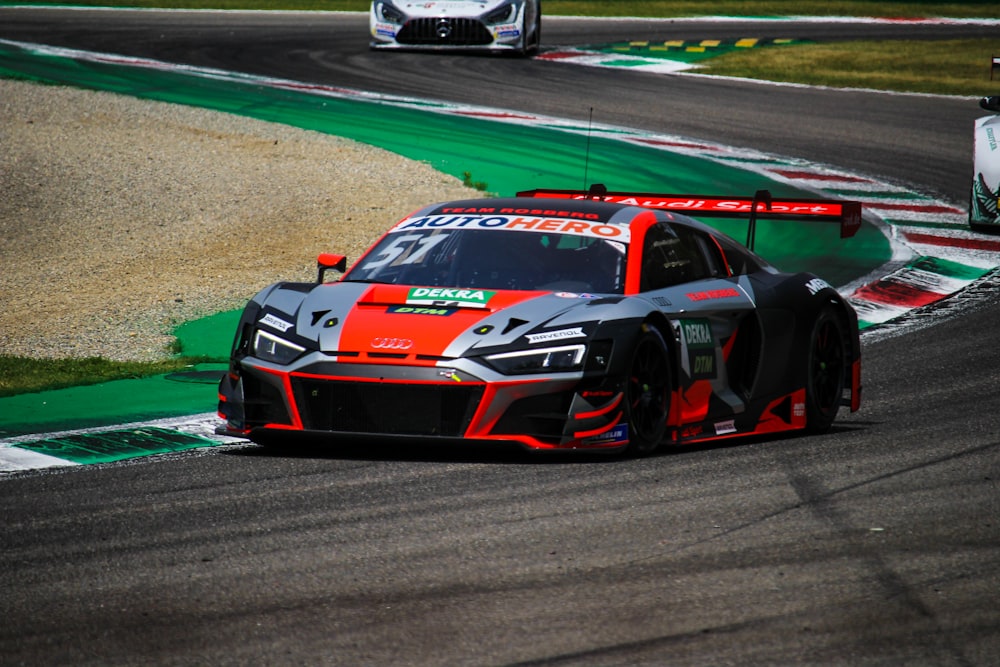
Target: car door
[686, 275]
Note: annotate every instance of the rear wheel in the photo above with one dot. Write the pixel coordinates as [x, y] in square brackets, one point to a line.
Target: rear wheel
[648, 393]
[826, 371]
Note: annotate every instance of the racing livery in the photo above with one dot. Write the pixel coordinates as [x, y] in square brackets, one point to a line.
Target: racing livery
[556, 320]
[513, 26]
[985, 198]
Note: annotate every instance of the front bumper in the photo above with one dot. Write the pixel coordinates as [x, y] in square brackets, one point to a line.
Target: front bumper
[444, 33]
[561, 410]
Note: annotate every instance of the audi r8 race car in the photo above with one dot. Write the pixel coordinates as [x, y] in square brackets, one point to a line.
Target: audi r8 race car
[484, 25]
[985, 199]
[556, 320]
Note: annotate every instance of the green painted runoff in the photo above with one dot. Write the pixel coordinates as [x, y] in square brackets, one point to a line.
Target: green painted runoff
[507, 157]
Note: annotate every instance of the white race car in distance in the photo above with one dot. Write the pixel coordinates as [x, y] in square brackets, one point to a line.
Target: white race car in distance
[985, 199]
[513, 26]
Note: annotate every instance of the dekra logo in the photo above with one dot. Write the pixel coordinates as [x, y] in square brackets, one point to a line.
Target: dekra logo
[697, 333]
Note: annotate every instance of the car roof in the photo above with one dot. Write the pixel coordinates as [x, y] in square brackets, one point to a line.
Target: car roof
[609, 213]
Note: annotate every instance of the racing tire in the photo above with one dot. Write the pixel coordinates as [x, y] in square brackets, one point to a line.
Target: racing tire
[533, 42]
[647, 393]
[826, 371]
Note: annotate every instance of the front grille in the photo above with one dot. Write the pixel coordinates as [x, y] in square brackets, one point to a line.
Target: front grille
[384, 407]
[444, 31]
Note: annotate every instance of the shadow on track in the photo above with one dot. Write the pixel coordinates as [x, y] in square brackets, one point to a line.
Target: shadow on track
[361, 448]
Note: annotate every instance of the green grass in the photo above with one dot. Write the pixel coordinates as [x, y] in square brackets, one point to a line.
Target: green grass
[666, 8]
[956, 67]
[20, 375]
[945, 67]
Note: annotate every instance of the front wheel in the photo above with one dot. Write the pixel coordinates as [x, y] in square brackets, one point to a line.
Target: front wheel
[827, 369]
[648, 393]
[532, 40]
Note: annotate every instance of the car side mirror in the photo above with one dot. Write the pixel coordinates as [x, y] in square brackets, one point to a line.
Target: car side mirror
[991, 103]
[328, 261]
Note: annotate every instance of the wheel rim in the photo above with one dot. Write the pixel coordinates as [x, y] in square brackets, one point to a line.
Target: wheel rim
[648, 392]
[827, 367]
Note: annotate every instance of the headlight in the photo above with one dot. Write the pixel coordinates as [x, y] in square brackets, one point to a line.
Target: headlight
[387, 12]
[505, 14]
[545, 360]
[269, 347]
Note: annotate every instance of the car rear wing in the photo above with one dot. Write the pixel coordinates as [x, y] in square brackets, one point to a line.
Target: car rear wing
[844, 212]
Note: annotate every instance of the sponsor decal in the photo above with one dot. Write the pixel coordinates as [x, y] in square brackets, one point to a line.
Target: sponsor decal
[574, 295]
[469, 209]
[382, 343]
[991, 138]
[597, 393]
[983, 208]
[483, 330]
[449, 373]
[507, 31]
[617, 435]
[506, 210]
[726, 427]
[699, 343]
[275, 322]
[816, 285]
[799, 409]
[692, 431]
[561, 334]
[728, 293]
[730, 205]
[402, 244]
[703, 365]
[517, 222]
[449, 296]
[420, 310]
[697, 333]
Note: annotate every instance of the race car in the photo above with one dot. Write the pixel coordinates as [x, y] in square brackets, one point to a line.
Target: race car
[513, 26]
[984, 200]
[559, 319]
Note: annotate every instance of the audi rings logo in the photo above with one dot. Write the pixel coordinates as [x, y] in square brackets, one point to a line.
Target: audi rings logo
[392, 343]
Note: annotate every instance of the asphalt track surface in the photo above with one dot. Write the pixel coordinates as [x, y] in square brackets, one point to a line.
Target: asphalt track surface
[877, 543]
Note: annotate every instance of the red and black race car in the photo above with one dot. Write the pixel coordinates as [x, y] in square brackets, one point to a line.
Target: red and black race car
[556, 320]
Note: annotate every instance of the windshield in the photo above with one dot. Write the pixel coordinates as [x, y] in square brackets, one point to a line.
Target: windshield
[493, 259]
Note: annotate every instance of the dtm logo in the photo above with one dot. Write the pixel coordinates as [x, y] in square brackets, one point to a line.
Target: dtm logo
[392, 343]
